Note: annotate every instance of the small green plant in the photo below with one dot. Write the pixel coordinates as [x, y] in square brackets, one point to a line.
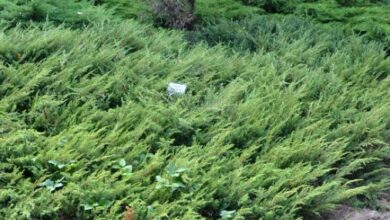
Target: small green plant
[175, 180]
[126, 169]
[52, 185]
[93, 204]
[57, 164]
[60, 165]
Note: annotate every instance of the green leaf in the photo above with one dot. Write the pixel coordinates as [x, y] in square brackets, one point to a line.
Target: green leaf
[171, 168]
[51, 185]
[128, 169]
[103, 202]
[122, 162]
[181, 170]
[47, 183]
[57, 164]
[89, 206]
[58, 185]
[173, 171]
[150, 211]
[225, 214]
[177, 185]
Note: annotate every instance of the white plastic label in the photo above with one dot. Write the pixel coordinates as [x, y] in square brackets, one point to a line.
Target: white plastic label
[176, 89]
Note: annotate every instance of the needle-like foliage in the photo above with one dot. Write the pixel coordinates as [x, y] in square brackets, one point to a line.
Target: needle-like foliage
[285, 123]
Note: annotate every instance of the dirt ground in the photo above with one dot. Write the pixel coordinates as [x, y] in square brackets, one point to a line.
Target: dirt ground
[345, 212]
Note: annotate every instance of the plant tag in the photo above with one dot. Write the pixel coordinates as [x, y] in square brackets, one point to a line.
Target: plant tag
[176, 89]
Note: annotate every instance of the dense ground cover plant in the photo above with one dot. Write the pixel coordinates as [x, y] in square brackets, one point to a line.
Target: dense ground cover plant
[205, 10]
[273, 6]
[368, 18]
[283, 118]
[75, 13]
[87, 127]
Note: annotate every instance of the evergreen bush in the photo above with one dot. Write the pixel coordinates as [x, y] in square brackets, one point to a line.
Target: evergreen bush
[87, 127]
[284, 117]
[74, 13]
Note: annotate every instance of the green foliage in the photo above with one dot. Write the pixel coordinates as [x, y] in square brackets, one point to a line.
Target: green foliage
[205, 9]
[223, 9]
[368, 18]
[284, 118]
[265, 33]
[227, 214]
[273, 6]
[135, 9]
[286, 132]
[350, 3]
[51, 185]
[75, 13]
